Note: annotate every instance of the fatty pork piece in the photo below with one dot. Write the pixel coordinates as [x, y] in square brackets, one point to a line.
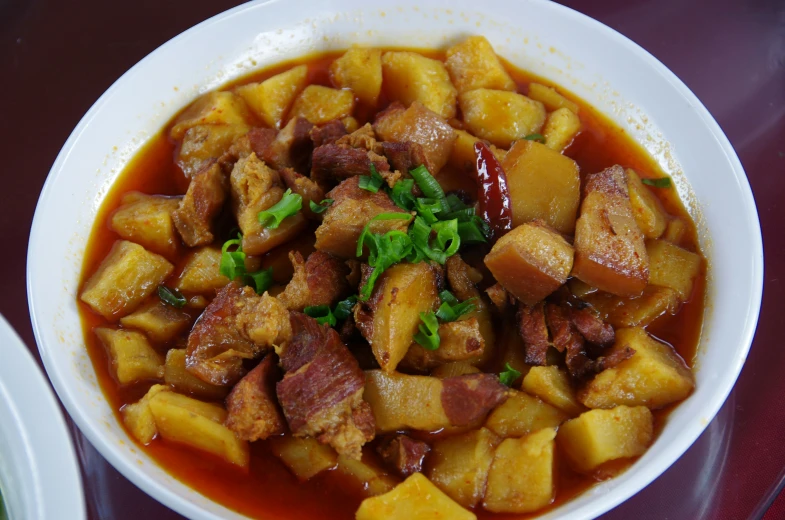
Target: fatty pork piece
[322, 391]
[291, 148]
[306, 188]
[237, 325]
[201, 204]
[253, 410]
[328, 133]
[320, 280]
[404, 454]
[335, 162]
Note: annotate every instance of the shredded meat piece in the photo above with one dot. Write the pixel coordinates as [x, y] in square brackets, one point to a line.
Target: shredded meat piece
[321, 393]
[335, 162]
[305, 187]
[253, 411]
[259, 139]
[328, 133]
[238, 324]
[592, 327]
[404, 156]
[321, 280]
[460, 341]
[534, 331]
[499, 296]
[404, 454]
[468, 399]
[462, 278]
[200, 205]
[291, 148]
[255, 187]
[363, 137]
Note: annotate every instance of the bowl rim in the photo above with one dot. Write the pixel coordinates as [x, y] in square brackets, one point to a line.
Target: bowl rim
[653, 468]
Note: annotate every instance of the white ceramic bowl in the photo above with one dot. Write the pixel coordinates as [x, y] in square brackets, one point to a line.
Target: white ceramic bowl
[601, 66]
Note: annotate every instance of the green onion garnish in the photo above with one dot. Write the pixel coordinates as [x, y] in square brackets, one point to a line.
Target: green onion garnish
[428, 336]
[289, 205]
[171, 297]
[343, 309]
[429, 186]
[401, 194]
[427, 208]
[372, 183]
[662, 182]
[535, 137]
[321, 207]
[475, 231]
[232, 266]
[451, 309]
[509, 376]
[322, 314]
[260, 280]
[383, 250]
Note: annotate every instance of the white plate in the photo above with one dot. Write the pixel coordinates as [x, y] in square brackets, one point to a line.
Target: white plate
[39, 475]
[606, 69]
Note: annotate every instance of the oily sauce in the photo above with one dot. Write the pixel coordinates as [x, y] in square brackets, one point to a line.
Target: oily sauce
[268, 489]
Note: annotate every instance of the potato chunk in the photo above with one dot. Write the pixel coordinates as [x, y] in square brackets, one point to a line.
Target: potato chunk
[176, 376]
[647, 209]
[304, 457]
[673, 267]
[459, 465]
[185, 420]
[552, 385]
[522, 414]
[416, 498]
[458, 341]
[638, 311]
[389, 320]
[271, 98]
[138, 418]
[133, 359]
[561, 126]
[543, 185]
[201, 274]
[531, 261]
[550, 98]
[598, 436]
[125, 278]
[463, 156]
[147, 220]
[360, 70]
[202, 143]
[609, 250]
[368, 477]
[160, 321]
[320, 104]
[654, 376]
[521, 478]
[499, 116]
[213, 108]
[472, 64]
[456, 368]
[410, 77]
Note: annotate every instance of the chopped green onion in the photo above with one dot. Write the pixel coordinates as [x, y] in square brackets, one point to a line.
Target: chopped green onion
[381, 216]
[420, 233]
[321, 207]
[535, 137]
[427, 209]
[343, 309]
[429, 186]
[232, 263]
[383, 250]
[322, 314]
[463, 215]
[260, 280]
[474, 231]
[455, 203]
[447, 233]
[372, 183]
[662, 182]
[428, 336]
[509, 376]
[401, 194]
[451, 310]
[171, 297]
[289, 205]
[448, 297]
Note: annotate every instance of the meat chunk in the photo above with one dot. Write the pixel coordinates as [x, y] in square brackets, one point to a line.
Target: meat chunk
[328, 132]
[534, 331]
[260, 139]
[364, 137]
[200, 205]
[292, 147]
[462, 278]
[335, 162]
[468, 399]
[404, 454]
[236, 325]
[499, 296]
[321, 280]
[592, 328]
[404, 156]
[322, 391]
[306, 188]
[460, 341]
[253, 411]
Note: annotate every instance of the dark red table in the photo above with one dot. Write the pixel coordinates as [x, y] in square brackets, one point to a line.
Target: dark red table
[58, 57]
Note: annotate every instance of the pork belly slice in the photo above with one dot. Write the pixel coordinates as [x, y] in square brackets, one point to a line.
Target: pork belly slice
[328, 132]
[253, 410]
[237, 325]
[322, 391]
[534, 331]
[404, 454]
[320, 280]
[592, 327]
[291, 148]
[201, 204]
[404, 156]
[333, 163]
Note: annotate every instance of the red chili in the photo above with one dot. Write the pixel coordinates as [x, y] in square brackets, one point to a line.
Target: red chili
[493, 195]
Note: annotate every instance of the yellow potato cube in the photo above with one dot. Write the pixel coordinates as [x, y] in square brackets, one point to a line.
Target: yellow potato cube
[147, 220]
[202, 143]
[654, 376]
[646, 208]
[320, 104]
[369, 478]
[401, 401]
[271, 98]
[499, 116]
[213, 108]
[138, 418]
[201, 273]
[416, 498]
[552, 385]
[522, 414]
[521, 478]
[133, 359]
[672, 266]
[472, 64]
[125, 278]
[459, 465]
[350, 123]
[550, 98]
[543, 185]
[360, 70]
[410, 77]
[598, 436]
[305, 457]
[638, 311]
[456, 368]
[160, 321]
[675, 231]
[179, 378]
[561, 126]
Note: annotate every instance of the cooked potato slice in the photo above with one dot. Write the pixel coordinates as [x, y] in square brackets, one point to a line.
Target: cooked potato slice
[654, 376]
[673, 267]
[201, 272]
[176, 375]
[459, 465]
[350, 124]
[552, 385]
[638, 311]
[646, 208]
[125, 278]
[138, 418]
[416, 498]
[213, 108]
[271, 98]
[371, 479]
[675, 231]
[133, 359]
[609, 250]
[320, 104]
[472, 64]
[359, 69]
[550, 98]
[161, 322]
[543, 185]
[531, 261]
[402, 401]
[522, 414]
[185, 420]
[202, 143]
[305, 457]
[410, 77]
[598, 436]
[561, 126]
[147, 220]
[521, 478]
[499, 116]
[456, 368]
[463, 156]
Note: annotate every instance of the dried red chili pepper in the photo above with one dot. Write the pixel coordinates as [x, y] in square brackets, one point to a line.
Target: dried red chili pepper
[493, 195]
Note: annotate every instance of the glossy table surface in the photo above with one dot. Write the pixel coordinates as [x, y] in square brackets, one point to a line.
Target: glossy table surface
[58, 57]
